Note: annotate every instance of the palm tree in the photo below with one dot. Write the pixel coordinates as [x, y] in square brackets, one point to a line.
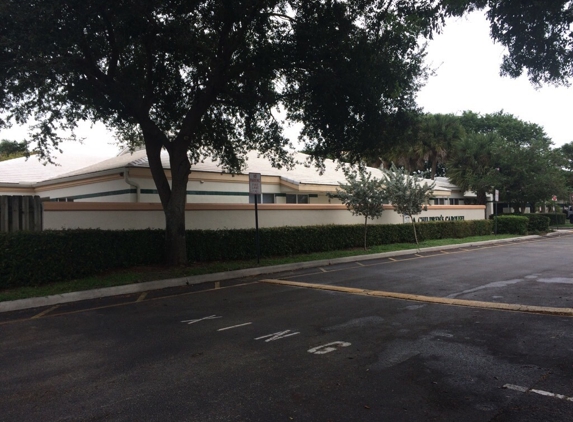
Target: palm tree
[473, 166]
[437, 134]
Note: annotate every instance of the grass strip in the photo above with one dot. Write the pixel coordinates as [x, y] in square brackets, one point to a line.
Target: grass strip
[142, 274]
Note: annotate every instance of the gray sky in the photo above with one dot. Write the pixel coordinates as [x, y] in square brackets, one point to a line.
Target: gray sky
[466, 64]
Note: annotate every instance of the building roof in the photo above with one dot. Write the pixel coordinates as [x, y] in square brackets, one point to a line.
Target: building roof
[32, 172]
[301, 172]
[27, 171]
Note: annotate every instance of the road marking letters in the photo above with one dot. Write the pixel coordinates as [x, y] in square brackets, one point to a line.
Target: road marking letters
[329, 347]
[277, 335]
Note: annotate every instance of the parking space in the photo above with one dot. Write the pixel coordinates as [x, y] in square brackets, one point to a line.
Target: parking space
[255, 351]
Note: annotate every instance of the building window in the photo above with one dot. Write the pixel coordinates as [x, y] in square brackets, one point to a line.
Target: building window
[296, 199]
[454, 201]
[439, 201]
[265, 198]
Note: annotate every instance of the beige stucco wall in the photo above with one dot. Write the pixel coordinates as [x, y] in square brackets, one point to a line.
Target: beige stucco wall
[116, 216]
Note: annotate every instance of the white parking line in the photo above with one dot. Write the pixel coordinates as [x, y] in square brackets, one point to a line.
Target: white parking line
[234, 326]
[540, 392]
[193, 321]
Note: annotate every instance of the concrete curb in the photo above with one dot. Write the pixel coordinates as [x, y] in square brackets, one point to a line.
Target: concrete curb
[36, 302]
[500, 306]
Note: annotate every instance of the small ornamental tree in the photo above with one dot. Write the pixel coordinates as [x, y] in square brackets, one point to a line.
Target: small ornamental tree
[363, 195]
[408, 196]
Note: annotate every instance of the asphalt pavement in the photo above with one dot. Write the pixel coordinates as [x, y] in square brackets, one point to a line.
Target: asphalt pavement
[399, 338]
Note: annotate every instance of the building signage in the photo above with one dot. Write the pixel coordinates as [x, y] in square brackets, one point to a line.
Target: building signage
[440, 218]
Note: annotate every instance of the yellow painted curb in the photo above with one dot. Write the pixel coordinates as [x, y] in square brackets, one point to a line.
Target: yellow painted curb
[545, 310]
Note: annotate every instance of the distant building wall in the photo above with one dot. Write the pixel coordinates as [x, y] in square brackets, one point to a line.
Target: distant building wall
[117, 216]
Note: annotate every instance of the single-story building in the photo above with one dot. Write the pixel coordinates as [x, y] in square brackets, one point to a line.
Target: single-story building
[119, 193]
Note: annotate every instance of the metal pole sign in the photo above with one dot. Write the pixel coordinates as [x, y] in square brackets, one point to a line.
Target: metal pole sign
[496, 200]
[554, 199]
[255, 189]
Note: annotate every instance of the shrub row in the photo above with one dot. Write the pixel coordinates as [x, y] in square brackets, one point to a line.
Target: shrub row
[556, 219]
[537, 223]
[511, 224]
[208, 245]
[34, 258]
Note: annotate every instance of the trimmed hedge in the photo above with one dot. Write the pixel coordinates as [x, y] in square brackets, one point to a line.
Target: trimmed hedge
[34, 258]
[512, 224]
[555, 219]
[537, 223]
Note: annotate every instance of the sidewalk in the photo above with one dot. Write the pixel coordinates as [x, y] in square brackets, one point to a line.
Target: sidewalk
[36, 302]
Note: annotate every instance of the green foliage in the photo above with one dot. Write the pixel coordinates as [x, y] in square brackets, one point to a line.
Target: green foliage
[566, 155]
[423, 149]
[203, 78]
[35, 258]
[406, 192]
[512, 224]
[437, 133]
[12, 149]
[32, 258]
[555, 219]
[363, 195]
[536, 34]
[539, 222]
[509, 154]
[473, 164]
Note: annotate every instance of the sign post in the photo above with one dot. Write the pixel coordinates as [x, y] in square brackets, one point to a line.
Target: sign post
[255, 189]
[554, 199]
[496, 200]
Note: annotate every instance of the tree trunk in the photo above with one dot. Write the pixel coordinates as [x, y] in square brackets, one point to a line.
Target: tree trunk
[415, 234]
[365, 231]
[173, 197]
[175, 244]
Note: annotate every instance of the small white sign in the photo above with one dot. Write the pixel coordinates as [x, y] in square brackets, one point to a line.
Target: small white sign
[255, 184]
[496, 195]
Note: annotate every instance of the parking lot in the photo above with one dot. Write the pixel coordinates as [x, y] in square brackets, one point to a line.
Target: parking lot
[473, 334]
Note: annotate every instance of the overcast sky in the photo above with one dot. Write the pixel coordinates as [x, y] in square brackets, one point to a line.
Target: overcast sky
[466, 64]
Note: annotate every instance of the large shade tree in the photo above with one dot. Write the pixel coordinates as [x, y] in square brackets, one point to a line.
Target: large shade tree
[566, 155]
[206, 77]
[527, 169]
